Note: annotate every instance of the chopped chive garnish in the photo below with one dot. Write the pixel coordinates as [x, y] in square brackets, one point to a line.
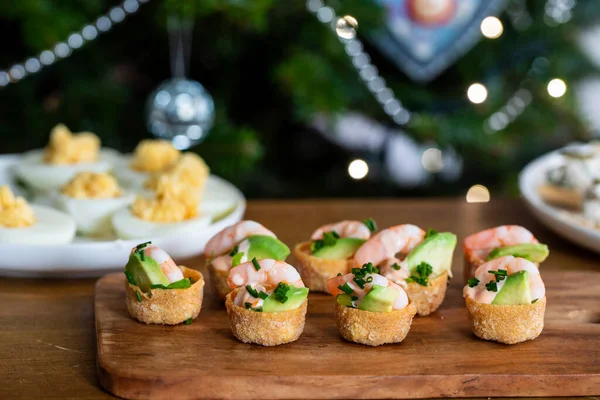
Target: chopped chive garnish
[491, 286]
[253, 292]
[423, 271]
[353, 298]
[369, 279]
[473, 282]
[143, 245]
[430, 232]
[339, 274]
[138, 295]
[500, 274]
[396, 266]
[359, 281]
[256, 264]
[346, 289]
[189, 321]
[281, 292]
[534, 301]
[329, 239]
[263, 295]
[234, 251]
[371, 224]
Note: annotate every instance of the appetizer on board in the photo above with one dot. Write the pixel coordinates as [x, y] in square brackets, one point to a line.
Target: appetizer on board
[65, 155]
[21, 223]
[92, 198]
[330, 251]
[506, 300]
[419, 261]
[267, 305]
[505, 240]
[158, 291]
[236, 245]
[370, 309]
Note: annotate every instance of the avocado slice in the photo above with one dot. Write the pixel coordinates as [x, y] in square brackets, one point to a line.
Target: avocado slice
[344, 300]
[534, 252]
[436, 251]
[515, 290]
[342, 249]
[263, 247]
[295, 297]
[379, 299]
[145, 273]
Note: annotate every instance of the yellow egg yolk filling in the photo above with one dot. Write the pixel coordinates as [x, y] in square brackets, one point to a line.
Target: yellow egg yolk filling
[65, 147]
[154, 155]
[190, 171]
[91, 185]
[15, 212]
[174, 202]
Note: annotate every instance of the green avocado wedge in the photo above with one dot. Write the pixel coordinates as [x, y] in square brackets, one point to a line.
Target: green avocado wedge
[515, 290]
[344, 300]
[342, 249]
[436, 250]
[295, 298]
[145, 273]
[534, 252]
[379, 299]
[263, 247]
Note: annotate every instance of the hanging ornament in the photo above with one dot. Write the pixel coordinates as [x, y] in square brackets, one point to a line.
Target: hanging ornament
[425, 37]
[180, 109]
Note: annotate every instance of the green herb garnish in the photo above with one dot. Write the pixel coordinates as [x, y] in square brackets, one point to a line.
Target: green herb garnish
[256, 264]
[500, 274]
[329, 239]
[371, 224]
[234, 251]
[339, 274]
[491, 286]
[430, 232]
[534, 301]
[421, 277]
[143, 245]
[138, 295]
[346, 289]
[396, 266]
[253, 292]
[129, 278]
[281, 292]
[263, 295]
[473, 282]
[189, 321]
[353, 298]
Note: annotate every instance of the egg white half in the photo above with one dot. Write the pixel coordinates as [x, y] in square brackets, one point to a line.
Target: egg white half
[128, 177]
[128, 226]
[93, 216]
[51, 227]
[44, 177]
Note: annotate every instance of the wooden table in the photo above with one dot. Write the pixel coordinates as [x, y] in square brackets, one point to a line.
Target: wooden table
[47, 339]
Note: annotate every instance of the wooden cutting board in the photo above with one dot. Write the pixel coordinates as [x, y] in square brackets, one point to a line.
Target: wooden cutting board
[439, 358]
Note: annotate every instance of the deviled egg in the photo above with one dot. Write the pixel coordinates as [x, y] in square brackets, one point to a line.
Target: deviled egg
[65, 155]
[189, 170]
[151, 156]
[21, 223]
[172, 211]
[92, 198]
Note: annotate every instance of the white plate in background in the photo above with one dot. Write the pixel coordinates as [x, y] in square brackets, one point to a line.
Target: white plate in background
[90, 258]
[560, 221]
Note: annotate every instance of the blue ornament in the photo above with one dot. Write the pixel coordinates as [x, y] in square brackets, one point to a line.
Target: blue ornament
[182, 111]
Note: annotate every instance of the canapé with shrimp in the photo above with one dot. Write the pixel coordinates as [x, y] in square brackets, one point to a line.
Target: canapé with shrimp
[370, 309]
[267, 305]
[506, 300]
[419, 261]
[238, 244]
[158, 291]
[505, 240]
[330, 251]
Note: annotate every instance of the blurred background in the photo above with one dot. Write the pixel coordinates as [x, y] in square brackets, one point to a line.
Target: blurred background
[311, 98]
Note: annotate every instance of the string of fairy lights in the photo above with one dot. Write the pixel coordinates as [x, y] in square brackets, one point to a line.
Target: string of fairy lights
[556, 12]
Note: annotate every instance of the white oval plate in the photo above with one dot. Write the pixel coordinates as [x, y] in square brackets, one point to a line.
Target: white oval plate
[90, 258]
[560, 221]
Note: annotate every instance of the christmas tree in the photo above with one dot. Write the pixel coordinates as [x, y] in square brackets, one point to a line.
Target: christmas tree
[289, 96]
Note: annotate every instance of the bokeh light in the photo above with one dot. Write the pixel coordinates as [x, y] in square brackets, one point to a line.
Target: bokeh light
[478, 194]
[432, 160]
[358, 169]
[477, 93]
[491, 27]
[557, 87]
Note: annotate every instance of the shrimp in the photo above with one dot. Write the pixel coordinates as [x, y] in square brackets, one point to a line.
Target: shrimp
[226, 240]
[346, 228]
[270, 274]
[389, 242]
[334, 283]
[479, 245]
[166, 263]
[511, 265]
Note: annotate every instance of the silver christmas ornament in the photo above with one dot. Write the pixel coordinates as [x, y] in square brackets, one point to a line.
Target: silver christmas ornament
[180, 110]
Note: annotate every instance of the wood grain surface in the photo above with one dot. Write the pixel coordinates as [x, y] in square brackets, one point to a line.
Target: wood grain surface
[47, 331]
[439, 358]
